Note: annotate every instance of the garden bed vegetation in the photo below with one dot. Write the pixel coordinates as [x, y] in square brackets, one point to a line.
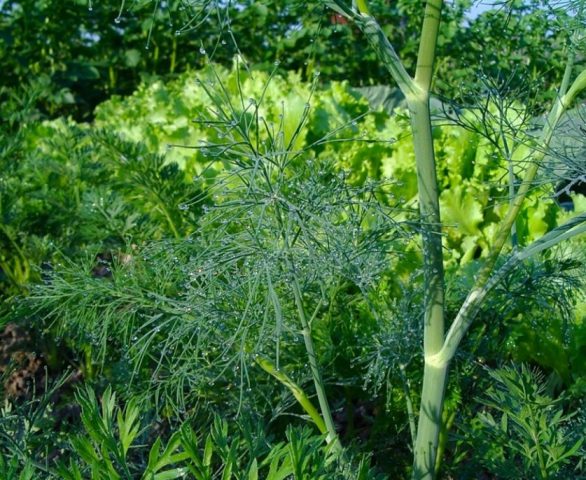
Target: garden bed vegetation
[292, 240]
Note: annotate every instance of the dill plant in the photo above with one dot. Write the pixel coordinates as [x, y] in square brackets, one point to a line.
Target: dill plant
[281, 235]
[440, 345]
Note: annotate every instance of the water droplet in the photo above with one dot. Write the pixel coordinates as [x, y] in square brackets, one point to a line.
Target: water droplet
[177, 32]
[117, 20]
[277, 63]
[202, 51]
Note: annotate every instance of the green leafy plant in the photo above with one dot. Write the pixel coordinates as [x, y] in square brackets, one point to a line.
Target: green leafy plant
[108, 450]
[110, 434]
[522, 431]
[73, 190]
[33, 431]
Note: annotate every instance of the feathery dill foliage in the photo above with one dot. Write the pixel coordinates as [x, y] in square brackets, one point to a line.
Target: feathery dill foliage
[280, 233]
[549, 287]
[392, 348]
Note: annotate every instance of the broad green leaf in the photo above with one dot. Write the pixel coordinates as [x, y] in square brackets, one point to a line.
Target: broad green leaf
[71, 472]
[128, 425]
[461, 211]
[253, 472]
[171, 474]
[228, 467]
[280, 466]
[28, 471]
[167, 457]
[84, 449]
[154, 455]
[208, 451]
[504, 423]
[132, 57]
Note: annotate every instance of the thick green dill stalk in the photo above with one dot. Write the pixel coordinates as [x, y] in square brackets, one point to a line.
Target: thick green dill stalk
[434, 377]
[417, 93]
